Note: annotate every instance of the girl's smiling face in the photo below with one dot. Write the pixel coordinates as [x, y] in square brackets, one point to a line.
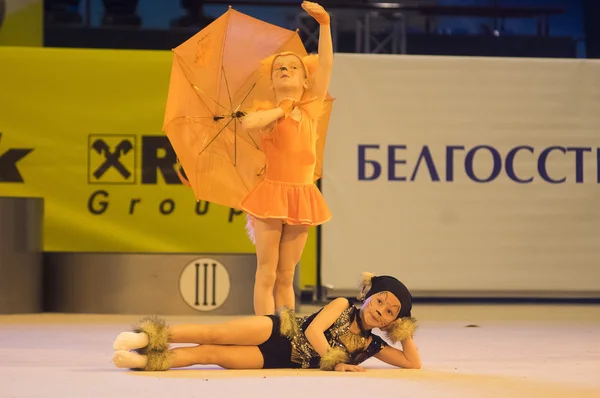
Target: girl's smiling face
[379, 310]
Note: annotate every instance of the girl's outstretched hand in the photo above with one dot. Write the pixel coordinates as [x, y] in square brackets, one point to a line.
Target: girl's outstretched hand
[317, 12]
[344, 367]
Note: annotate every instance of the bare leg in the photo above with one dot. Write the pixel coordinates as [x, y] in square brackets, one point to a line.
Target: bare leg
[250, 331]
[293, 240]
[228, 357]
[267, 234]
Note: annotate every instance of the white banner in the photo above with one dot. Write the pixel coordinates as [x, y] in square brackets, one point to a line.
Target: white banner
[464, 175]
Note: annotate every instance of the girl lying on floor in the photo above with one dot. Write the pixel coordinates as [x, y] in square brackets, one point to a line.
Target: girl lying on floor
[338, 337]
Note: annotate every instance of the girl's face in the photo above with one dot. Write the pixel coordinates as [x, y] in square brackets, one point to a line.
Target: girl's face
[380, 310]
[288, 73]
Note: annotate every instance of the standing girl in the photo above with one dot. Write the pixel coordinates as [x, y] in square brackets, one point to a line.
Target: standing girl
[286, 202]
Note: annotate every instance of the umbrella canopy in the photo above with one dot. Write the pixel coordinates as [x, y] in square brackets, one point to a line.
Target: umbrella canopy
[215, 76]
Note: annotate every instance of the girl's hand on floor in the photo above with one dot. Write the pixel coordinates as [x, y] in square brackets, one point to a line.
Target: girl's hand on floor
[344, 367]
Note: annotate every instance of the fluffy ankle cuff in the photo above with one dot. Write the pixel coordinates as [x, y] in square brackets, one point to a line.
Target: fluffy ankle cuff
[157, 361]
[157, 331]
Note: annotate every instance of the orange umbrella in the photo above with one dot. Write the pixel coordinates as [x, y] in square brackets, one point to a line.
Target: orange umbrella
[215, 76]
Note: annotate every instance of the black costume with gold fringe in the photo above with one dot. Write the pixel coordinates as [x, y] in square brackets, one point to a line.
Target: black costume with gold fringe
[346, 347]
[288, 346]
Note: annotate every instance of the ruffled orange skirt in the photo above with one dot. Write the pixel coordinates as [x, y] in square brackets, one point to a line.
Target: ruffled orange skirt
[294, 204]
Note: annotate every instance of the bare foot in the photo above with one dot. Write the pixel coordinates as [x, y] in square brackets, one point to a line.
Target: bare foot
[131, 360]
[128, 341]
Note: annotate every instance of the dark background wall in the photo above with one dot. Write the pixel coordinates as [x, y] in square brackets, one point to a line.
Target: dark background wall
[162, 24]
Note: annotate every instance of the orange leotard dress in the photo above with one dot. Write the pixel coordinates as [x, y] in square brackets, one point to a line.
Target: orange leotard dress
[287, 191]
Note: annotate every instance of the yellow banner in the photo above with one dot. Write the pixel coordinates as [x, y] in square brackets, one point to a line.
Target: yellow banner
[21, 22]
[82, 129]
